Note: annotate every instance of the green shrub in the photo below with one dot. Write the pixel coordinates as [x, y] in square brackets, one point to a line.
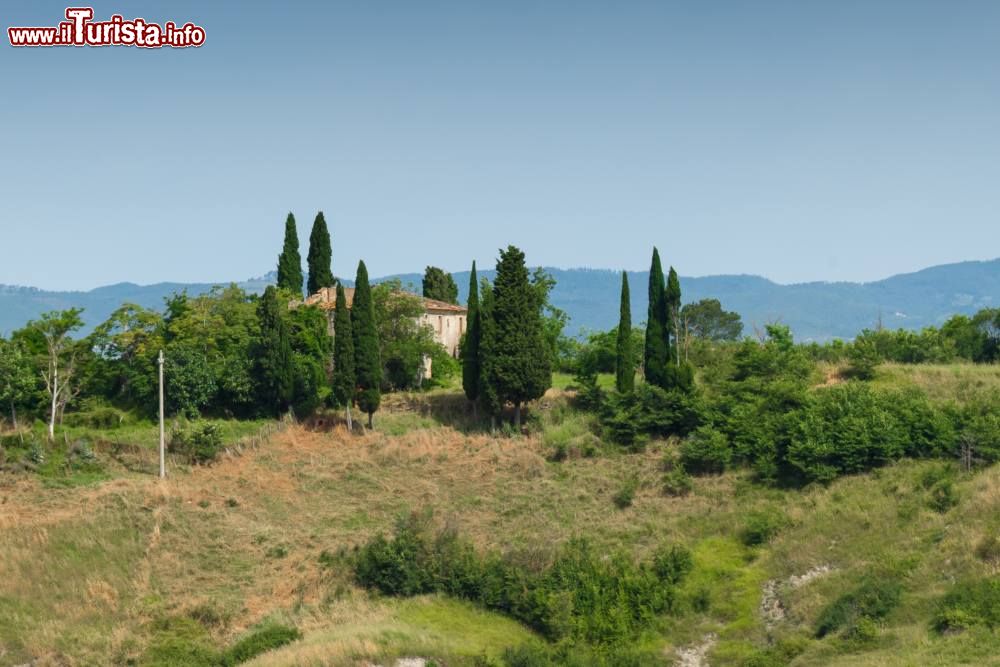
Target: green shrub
[102, 417]
[624, 496]
[581, 594]
[969, 604]
[677, 483]
[199, 442]
[181, 641]
[261, 640]
[760, 527]
[943, 496]
[845, 429]
[706, 450]
[933, 475]
[873, 599]
[988, 549]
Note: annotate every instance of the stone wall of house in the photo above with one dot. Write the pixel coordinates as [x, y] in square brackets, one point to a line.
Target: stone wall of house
[448, 328]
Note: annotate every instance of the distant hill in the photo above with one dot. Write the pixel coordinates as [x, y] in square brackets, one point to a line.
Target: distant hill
[815, 311]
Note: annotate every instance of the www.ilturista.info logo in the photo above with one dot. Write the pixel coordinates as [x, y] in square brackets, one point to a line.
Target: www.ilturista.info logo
[80, 30]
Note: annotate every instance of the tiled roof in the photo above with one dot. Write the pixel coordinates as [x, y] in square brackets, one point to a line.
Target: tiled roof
[326, 298]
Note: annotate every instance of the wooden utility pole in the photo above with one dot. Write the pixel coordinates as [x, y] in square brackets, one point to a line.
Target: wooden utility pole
[163, 461]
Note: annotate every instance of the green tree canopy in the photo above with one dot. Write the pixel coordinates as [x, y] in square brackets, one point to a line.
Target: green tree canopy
[706, 320]
[274, 371]
[439, 285]
[320, 258]
[522, 370]
[290, 261]
[17, 377]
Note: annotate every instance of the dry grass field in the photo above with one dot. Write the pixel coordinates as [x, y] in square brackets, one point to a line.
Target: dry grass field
[99, 573]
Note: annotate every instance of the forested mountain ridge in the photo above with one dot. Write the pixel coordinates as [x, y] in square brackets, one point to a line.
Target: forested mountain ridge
[814, 311]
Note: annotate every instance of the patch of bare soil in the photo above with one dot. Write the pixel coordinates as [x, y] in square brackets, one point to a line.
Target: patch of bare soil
[696, 655]
[772, 609]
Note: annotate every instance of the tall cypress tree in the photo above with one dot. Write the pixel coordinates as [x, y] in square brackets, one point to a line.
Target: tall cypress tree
[290, 261]
[343, 381]
[673, 301]
[679, 374]
[470, 345]
[367, 361]
[624, 369]
[275, 370]
[488, 396]
[522, 364]
[320, 256]
[655, 354]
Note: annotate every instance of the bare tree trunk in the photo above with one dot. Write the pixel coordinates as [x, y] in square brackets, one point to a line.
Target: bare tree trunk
[517, 415]
[371, 415]
[493, 424]
[13, 414]
[55, 395]
[350, 422]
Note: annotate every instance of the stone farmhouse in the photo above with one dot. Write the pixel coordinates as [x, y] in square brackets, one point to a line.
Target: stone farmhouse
[446, 320]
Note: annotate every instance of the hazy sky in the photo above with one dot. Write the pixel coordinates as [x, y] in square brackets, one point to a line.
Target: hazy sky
[831, 140]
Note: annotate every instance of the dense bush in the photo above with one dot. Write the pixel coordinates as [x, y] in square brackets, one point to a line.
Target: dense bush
[581, 594]
[265, 638]
[874, 598]
[624, 496]
[760, 527]
[198, 442]
[706, 450]
[852, 427]
[969, 604]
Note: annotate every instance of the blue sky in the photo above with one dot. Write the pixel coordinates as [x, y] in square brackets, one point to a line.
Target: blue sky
[801, 141]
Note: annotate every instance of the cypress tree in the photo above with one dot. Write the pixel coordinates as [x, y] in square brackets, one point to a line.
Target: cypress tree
[275, 370]
[624, 369]
[320, 256]
[673, 301]
[343, 381]
[367, 361]
[655, 354]
[470, 345]
[439, 285]
[487, 391]
[679, 374]
[521, 360]
[290, 261]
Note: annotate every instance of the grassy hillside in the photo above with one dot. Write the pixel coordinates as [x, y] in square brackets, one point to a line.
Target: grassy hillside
[125, 569]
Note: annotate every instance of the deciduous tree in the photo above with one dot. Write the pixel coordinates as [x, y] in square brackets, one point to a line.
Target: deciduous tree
[275, 372]
[17, 377]
[60, 356]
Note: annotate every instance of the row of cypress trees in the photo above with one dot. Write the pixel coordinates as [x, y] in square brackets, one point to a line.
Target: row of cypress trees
[504, 356]
[356, 378]
[662, 363]
[319, 260]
